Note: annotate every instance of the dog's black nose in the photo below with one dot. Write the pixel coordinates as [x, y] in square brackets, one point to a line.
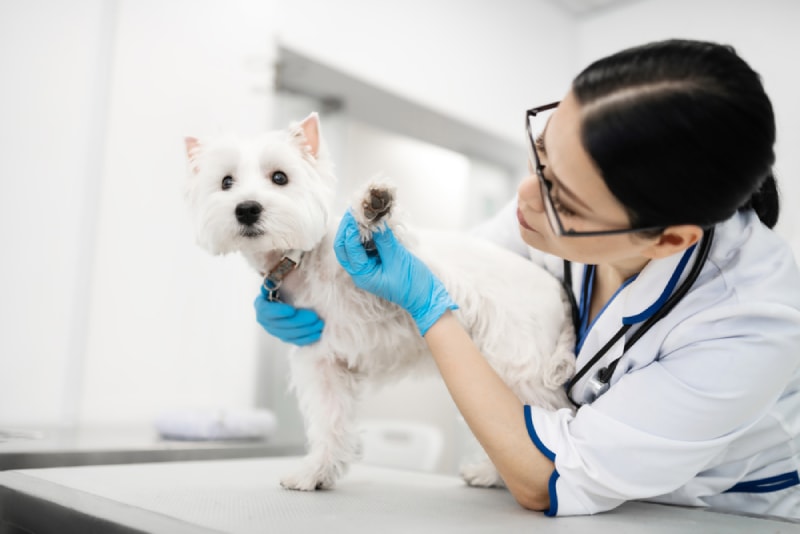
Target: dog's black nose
[248, 212]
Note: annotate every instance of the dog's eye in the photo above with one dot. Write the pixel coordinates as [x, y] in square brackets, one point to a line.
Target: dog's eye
[280, 178]
[227, 182]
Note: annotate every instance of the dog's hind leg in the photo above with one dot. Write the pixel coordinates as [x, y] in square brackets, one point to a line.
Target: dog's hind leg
[328, 392]
[481, 473]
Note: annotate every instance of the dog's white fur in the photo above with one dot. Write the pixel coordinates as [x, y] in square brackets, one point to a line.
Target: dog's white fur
[514, 311]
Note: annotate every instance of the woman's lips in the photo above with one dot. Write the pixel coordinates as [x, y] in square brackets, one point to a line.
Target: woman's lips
[522, 222]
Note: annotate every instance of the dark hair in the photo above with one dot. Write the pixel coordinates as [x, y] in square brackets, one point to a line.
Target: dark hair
[682, 132]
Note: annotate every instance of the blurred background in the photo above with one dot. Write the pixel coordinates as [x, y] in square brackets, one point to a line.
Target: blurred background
[110, 313]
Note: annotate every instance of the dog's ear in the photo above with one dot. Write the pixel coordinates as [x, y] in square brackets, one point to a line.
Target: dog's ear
[192, 150]
[309, 129]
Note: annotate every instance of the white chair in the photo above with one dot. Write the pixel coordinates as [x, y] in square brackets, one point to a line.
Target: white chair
[401, 444]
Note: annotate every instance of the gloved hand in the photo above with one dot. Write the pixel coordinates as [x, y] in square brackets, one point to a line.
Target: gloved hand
[287, 323]
[394, 274]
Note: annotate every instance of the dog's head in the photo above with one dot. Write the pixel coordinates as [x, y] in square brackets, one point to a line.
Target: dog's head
[272, 192]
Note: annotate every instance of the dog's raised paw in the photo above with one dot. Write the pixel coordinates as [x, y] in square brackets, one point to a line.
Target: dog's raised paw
[377, 203]
[371, 209]
[373, 206]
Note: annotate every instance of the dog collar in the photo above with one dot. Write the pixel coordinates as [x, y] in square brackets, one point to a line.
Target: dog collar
[274, 278]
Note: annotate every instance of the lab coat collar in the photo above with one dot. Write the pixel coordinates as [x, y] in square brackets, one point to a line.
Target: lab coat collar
[637, 300]
[668, 273]
[638, 297]
[651, 277]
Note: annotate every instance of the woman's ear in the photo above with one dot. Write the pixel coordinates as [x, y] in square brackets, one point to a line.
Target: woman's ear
[674, 239]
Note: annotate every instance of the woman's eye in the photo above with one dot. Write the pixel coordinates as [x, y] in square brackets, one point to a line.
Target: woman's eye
[562, 209]
[227, 182]
[280, 178]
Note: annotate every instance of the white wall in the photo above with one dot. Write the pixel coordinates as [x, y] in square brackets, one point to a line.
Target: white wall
[484, 61]
[764, 33]
[170, 325]
[54, 64]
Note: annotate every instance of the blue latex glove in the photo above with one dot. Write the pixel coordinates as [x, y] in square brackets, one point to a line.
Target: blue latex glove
[287, 323]
[394, 274]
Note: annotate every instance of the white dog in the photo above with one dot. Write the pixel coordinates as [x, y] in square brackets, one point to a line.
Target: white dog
[269, 198]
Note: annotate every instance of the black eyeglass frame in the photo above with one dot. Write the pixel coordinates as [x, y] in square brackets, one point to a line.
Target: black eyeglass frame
[546, 185]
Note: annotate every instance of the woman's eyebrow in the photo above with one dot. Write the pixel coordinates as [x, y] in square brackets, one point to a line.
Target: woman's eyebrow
[561, 187]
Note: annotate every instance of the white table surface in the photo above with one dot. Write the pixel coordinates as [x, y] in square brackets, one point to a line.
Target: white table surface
[244, 496]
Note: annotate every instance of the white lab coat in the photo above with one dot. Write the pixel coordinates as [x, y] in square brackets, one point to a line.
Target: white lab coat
[707, 399]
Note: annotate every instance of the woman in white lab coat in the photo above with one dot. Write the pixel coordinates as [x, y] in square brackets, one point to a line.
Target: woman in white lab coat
[651, 195]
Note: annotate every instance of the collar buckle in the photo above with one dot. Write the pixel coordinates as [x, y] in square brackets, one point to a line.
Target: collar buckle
[274, 278]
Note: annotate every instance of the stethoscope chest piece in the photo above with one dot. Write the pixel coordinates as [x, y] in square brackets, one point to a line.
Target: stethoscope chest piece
[593, 389]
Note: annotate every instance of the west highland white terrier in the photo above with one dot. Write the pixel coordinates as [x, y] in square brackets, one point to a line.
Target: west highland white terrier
[270, 199]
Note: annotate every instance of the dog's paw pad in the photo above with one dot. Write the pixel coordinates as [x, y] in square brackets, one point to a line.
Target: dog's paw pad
[377, 203]
[371, 209]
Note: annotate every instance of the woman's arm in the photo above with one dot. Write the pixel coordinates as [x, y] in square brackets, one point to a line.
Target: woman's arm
[492, 411]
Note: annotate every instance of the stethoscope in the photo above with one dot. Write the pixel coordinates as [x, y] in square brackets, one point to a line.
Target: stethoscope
[599, 382]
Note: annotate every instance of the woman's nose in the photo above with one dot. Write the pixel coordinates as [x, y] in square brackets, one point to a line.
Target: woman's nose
[530, 194]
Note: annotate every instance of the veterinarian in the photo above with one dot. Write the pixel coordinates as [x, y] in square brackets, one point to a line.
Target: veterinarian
[651, 196]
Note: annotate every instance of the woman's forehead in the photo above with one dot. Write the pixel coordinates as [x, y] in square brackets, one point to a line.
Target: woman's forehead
[566, 155]
[571, 164]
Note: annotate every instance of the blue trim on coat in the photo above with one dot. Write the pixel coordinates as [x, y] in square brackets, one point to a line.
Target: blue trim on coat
[551, 486]
[551, 489]
[585, 305]
[767, 485]
[535, 438]
[673, 281]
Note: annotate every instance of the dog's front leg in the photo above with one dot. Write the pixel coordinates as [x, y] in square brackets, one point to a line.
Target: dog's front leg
[328, 391]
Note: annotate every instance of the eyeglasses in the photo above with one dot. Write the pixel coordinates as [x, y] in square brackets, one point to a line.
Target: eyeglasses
[546, 185]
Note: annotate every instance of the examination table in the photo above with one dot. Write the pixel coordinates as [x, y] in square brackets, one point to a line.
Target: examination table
[244, 495]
